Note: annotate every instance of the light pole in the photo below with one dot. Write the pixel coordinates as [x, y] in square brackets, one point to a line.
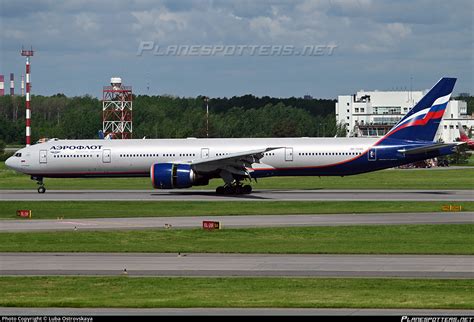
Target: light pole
[206, 99]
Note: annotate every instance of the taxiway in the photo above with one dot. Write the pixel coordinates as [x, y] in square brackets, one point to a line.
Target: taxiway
[237, 221]
[210, 195]
[164, 264]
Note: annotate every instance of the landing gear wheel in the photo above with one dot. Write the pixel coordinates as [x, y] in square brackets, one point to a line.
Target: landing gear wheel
[238, 190]
[229, 190]
[39, 181]
[247, 189]
[234, 190]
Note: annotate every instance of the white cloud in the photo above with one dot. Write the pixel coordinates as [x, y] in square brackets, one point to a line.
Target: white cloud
[365, 31]
[398, 29]
[87, 23]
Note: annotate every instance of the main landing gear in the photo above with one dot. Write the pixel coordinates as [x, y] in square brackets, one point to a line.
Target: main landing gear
[233, 185]
[234, 189]
[39, 180]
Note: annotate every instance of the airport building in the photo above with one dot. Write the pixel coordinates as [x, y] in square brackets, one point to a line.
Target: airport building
[373, 113]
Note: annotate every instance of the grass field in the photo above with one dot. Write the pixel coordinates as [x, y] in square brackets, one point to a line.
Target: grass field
[386, 179]
[117, 209]
[158, 292]
[390, 239]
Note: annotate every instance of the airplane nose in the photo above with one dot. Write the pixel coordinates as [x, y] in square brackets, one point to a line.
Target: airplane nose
[9, 162]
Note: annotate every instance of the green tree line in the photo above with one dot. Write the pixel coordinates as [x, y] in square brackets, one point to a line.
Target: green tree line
[171, 117]
[175, 117]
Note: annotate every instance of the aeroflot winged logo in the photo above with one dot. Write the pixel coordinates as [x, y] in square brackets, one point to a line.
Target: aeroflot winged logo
[75, 147]
[434, 112]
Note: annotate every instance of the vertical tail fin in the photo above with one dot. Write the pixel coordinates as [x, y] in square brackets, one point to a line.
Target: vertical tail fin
[462, 133]
[421, 123]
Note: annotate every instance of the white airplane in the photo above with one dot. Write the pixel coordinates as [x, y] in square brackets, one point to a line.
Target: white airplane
[182, 163]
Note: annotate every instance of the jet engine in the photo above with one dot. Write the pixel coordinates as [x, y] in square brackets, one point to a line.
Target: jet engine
[172, 176]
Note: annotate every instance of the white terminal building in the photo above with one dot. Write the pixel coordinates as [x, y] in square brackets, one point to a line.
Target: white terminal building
[373, 113]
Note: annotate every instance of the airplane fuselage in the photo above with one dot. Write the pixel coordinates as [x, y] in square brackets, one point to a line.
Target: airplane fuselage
[133, 158]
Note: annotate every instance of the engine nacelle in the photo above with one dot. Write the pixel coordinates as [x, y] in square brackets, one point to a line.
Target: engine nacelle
[172, 176]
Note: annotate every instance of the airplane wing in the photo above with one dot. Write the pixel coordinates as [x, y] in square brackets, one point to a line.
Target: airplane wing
[427, 148]
[235, 163]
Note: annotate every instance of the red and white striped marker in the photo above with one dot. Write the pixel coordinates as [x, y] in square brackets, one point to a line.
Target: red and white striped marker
[27, 54]
[22, 85]
[2, 85]
[28, 110]
[12, 84]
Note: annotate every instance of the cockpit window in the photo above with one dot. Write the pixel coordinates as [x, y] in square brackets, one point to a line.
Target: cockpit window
[18, 155]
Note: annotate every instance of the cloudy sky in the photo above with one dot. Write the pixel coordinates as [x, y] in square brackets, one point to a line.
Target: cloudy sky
[381, 45]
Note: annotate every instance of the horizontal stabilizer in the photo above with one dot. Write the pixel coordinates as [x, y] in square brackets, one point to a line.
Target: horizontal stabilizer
[427, 148]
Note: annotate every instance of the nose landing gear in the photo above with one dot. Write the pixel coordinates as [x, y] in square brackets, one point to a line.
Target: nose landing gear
[39, 180]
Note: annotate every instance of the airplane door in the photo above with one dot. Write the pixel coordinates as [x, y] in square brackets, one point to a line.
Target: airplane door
[106, 156]
[43, 156]
[204, 153]
[288, 154]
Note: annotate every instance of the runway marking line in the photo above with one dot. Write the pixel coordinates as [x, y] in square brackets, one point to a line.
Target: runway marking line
[77, 223]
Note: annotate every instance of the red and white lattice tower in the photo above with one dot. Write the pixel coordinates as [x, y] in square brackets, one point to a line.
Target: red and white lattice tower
[117, 110]
[12, 84]
[28, 54]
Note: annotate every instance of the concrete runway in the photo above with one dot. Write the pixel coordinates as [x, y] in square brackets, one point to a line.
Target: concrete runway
[209, 195]
[237, 221]
[139, 264]
[21, 311]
